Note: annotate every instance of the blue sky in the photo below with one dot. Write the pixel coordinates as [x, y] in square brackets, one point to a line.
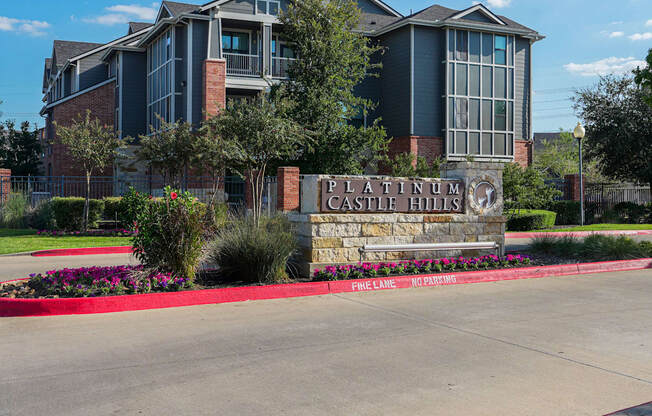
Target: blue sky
[583, 38]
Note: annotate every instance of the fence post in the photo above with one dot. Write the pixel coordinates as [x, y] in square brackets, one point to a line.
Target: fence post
[61, 192]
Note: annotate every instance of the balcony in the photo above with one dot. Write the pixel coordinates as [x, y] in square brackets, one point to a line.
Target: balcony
[280, 67]
[242, 65]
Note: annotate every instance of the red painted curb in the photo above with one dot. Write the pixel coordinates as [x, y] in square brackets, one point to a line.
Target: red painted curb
[83, 251]
[577, 233]
[71, 306]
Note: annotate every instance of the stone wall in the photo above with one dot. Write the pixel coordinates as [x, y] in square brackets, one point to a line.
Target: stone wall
[327, 239]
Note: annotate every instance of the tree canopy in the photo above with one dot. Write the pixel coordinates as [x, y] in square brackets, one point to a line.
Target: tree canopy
[560, 157]
[334, 58]
[618, 128]
[643, 77]
[20, 149]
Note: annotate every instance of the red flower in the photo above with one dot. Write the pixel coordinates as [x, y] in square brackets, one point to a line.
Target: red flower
[173, 195]
[151, 197]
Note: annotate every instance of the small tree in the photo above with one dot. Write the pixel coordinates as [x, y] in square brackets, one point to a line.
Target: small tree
[20, 150]
[618, 128]
[258, 134]
[91, 144]
[409, 165]
[560, 157]
[643, 78]
[170, 150]
[525, 188]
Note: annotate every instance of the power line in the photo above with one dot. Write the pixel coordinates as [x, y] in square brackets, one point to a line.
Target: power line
[552, 101]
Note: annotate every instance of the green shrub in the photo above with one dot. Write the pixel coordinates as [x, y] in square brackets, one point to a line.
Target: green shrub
[530, 219]
[170, 233]
[69, 213]
[631, 213]
[130, 206]
[594, 247]
[408, 165]
[525, 188]
[568, 212]
[42, 217]
[112, 208]
[247, 253]
[13, 211]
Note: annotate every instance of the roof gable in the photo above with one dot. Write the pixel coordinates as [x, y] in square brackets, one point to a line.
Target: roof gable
[137, 27]
[478, 11]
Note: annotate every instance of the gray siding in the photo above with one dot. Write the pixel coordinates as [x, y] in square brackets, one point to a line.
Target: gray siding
[246, 6]
[521, 90]
[478, 16]
[199, 51]
[67, 85]
[429, 79]
[92, 70]
[180, 72]
[369, 7]
[395, 83]
[134, 94]
[370, 88]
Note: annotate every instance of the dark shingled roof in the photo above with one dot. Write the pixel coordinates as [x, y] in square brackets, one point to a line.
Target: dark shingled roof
[370, 22]
[180, 8]
[138, 26]
[438, 12]
[64, 50]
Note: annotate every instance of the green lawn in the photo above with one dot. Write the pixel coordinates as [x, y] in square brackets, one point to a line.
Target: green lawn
[19, 241]
[602, 227]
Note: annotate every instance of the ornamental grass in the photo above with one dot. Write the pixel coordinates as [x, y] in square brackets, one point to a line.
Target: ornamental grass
[412, 267]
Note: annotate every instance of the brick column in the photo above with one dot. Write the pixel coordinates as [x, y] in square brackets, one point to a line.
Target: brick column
[288, 189]
[5, 184]
[214, 86]
[523, 152]
[573, 187]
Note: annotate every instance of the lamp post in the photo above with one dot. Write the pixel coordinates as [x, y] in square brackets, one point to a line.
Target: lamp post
[579, 133]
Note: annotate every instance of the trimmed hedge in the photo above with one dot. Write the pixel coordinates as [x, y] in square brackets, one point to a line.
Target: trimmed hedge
[112, 208]
[69, 213]
[530, 219]
[568, 212]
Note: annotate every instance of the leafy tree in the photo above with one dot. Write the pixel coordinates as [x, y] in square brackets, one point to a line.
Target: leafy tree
[258, 133]
[170, 150]
[334, 57]
[91, 144]
[20, 150]
[643, 78]
[560, 157]
[525, 188]
[408, 165]
[618, 128]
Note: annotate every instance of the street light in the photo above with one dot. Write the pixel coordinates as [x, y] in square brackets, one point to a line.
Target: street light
[579, 134]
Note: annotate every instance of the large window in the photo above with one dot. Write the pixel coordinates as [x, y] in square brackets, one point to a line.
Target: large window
[267, 7]
[235, 42]
[480, 94]
[160, 80]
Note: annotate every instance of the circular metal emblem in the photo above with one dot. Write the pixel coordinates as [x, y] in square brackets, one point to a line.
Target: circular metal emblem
[484, 195]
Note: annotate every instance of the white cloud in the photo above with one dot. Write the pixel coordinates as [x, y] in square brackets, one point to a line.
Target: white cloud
[618, 22]
[495, 3]
[648, 23]
[616, 34]
[641, 36]
[605, 66]
[123, 13]
[32, 27]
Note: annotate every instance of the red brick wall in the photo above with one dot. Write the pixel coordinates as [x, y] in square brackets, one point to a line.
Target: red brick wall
[288, 189]
[428, 147]
[101, 103]
[214, 91]
[573, 189]
[5, 183]
[523, 152]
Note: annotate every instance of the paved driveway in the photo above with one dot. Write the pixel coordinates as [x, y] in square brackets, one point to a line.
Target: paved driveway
[578, 345]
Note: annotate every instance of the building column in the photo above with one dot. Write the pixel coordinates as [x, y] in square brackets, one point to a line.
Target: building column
[288, 189]
[214, 87]
[267, 49]
[5, 184]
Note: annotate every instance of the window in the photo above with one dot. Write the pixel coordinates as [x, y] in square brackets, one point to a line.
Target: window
[480, 95]
[267, 7]
[160, 85]
[235, 42]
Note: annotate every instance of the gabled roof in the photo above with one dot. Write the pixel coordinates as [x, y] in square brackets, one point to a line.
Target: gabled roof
[441, 13]
[370, 22]
[65, 49]
[138, 26]
[176, 9]
[479, 8]
[48, 66]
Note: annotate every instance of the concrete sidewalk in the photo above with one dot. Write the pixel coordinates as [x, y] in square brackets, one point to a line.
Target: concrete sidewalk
[556, 346]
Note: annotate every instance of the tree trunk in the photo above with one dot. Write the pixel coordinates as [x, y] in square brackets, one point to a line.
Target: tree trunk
[87, 201]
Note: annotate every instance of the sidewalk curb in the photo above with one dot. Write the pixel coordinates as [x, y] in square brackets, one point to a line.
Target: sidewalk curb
[514, 235]
[83, 251]
[73, 306]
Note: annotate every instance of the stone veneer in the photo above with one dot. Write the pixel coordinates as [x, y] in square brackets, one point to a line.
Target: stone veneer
[327, 239]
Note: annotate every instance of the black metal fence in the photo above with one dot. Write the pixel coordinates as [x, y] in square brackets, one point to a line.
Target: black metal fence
[561, 185]
[604, 196]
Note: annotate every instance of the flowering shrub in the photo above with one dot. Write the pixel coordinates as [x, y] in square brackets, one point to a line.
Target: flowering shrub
[408, 267]
[118, 232]
[169, 234]
[104, 281]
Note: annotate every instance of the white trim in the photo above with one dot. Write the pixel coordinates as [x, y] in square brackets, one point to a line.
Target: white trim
[529, 34]
[112, 43]
[261, 18]
[378, 3]
[189, 74]
[84, 91]
[158, 15]
[481, 8]
[120, 85]
[211, 22]
[411, 80]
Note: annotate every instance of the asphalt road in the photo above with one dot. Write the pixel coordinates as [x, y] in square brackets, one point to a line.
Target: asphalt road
[579, 345]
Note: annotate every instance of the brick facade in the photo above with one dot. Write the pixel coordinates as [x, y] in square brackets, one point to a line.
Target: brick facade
[288, 189]
[100, 101]
[214, 86]
[523, 152]
[5, 184]
[427, 147]
[573, 190]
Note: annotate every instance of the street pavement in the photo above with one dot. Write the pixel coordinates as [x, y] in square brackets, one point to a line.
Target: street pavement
[574, 345]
